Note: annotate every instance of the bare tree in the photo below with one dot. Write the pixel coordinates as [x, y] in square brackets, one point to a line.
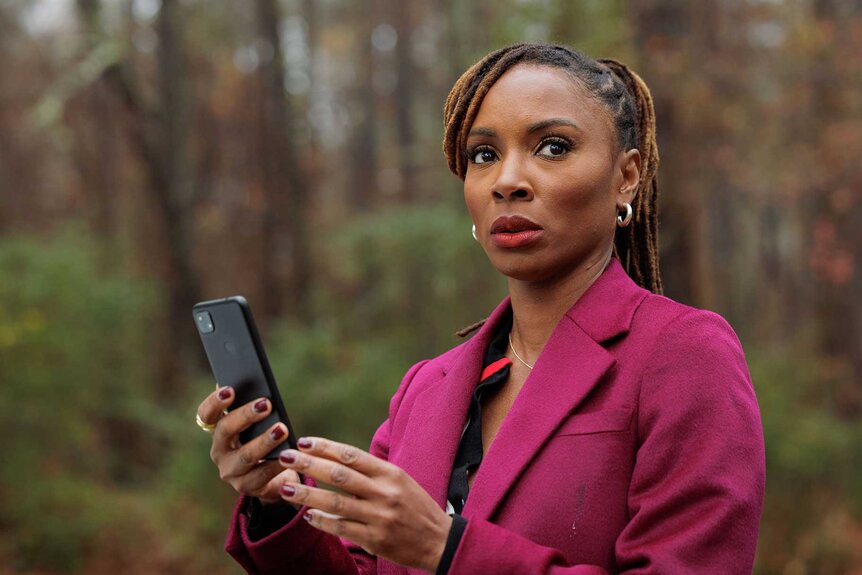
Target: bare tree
[685, 229]
[836, 291]
[158, 132]
[404, 98]
[96, 152]
[286, 185]
[363, 160]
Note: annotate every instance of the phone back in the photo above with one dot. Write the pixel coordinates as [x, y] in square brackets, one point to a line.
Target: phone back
[238, 360]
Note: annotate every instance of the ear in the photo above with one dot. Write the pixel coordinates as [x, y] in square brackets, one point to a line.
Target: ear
[629, 170]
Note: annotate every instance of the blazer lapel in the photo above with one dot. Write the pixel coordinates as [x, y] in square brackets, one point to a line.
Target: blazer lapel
[569, 368]
[572, 363]
[439, 413]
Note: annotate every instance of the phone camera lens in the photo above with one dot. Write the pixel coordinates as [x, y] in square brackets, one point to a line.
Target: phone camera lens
[205, 322]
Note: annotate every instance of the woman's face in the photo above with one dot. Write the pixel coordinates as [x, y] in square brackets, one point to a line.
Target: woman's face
[544, 177]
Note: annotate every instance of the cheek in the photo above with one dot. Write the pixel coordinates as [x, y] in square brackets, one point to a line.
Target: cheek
[585, 195]
[471, 199]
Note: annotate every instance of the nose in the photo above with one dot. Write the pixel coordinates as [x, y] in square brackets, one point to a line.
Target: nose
[512, 182]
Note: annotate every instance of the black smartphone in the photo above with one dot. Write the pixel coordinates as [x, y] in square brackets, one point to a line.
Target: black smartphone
[237, 359]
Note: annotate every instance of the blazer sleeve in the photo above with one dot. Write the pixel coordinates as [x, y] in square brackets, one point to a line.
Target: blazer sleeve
[299, 548]
[697, 487]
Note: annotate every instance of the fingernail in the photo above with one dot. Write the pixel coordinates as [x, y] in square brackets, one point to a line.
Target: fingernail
[277, 433]
[305, 443]
[288, 490]
[224, 393]
[307, 517]
[287, 457]
[260, 406]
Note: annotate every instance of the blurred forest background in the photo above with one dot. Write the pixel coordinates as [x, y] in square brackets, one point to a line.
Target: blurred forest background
[154, 153]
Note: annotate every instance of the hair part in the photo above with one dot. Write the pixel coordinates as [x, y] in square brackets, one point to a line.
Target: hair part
[623, 93]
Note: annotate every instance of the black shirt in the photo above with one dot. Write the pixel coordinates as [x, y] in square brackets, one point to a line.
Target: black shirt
[495, 372]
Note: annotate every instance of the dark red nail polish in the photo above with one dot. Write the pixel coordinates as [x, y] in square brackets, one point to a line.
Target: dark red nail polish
[260, 406]
[287, 457]
[305, 443]
[224, 393]
[307, 517]
[288, 490]
[277, 433]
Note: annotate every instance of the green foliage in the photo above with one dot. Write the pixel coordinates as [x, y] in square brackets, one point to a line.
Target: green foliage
[89, 458]
[70, 364]
[103, 464]
[413, 274]
[402, 283]
[814, 503]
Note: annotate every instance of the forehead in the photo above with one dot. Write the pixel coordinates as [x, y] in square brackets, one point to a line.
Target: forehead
[528, 93]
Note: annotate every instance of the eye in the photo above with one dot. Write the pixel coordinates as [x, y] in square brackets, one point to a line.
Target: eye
[554, 148]
[482, 155]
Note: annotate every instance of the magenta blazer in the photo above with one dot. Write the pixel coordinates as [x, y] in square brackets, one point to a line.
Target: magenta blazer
[635, 446]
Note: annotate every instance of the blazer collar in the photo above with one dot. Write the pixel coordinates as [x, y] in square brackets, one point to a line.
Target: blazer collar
[607, 308]
[603, 312]
[439, 412]
[571, 365]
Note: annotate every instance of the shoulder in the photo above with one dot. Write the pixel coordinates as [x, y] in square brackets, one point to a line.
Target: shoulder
[428, 371]
[672, 327]
[691, 354]
[435, 367]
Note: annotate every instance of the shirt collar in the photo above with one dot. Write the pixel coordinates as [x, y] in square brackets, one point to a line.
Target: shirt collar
[495, 355]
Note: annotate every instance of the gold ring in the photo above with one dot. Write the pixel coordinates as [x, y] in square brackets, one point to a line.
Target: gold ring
[208, 427]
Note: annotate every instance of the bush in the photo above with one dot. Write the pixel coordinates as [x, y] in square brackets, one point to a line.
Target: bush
[812, 518]
[72, 362]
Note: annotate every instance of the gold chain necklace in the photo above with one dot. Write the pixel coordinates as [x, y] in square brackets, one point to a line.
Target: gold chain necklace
[530, 367]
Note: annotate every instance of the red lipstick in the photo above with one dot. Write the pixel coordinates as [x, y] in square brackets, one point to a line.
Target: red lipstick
[514, 232]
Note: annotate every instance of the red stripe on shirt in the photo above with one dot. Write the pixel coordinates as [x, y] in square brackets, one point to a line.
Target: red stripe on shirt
[495, 367]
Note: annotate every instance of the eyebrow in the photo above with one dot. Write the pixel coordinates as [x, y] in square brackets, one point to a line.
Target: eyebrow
[541, 125]
[482, 132]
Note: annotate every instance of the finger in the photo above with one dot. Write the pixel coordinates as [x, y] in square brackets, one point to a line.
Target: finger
[250, 454]
[272, 490]
[256, 482]
[348, 455]
[356, 531]
[212, 408]
[328, 501]
[327, 471]
[230, 425]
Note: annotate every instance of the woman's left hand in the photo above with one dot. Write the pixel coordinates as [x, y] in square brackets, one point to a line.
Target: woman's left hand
[383, 509]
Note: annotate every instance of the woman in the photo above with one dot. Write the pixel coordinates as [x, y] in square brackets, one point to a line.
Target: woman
[589, 426]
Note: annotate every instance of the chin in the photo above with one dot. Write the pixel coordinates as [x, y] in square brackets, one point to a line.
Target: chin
[530, 267]
[527, 270]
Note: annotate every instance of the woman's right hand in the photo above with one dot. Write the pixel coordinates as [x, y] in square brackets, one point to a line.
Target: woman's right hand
[242, 465]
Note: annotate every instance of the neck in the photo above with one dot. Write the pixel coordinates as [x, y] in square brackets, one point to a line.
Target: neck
[537, 307]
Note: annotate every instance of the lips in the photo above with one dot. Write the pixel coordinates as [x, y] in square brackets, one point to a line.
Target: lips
[513, 225]
[514, 232]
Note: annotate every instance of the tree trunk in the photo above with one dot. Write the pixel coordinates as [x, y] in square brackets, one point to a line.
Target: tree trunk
[363, 159]
[404, 101]
[836, 292]
[285, 184]
[660, 36]
[96, 140]
[174, 190]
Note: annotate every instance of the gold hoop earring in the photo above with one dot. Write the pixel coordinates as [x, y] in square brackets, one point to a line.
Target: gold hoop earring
[624, 221]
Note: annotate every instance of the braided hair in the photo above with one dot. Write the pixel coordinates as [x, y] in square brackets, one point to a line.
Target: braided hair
[627, 98]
